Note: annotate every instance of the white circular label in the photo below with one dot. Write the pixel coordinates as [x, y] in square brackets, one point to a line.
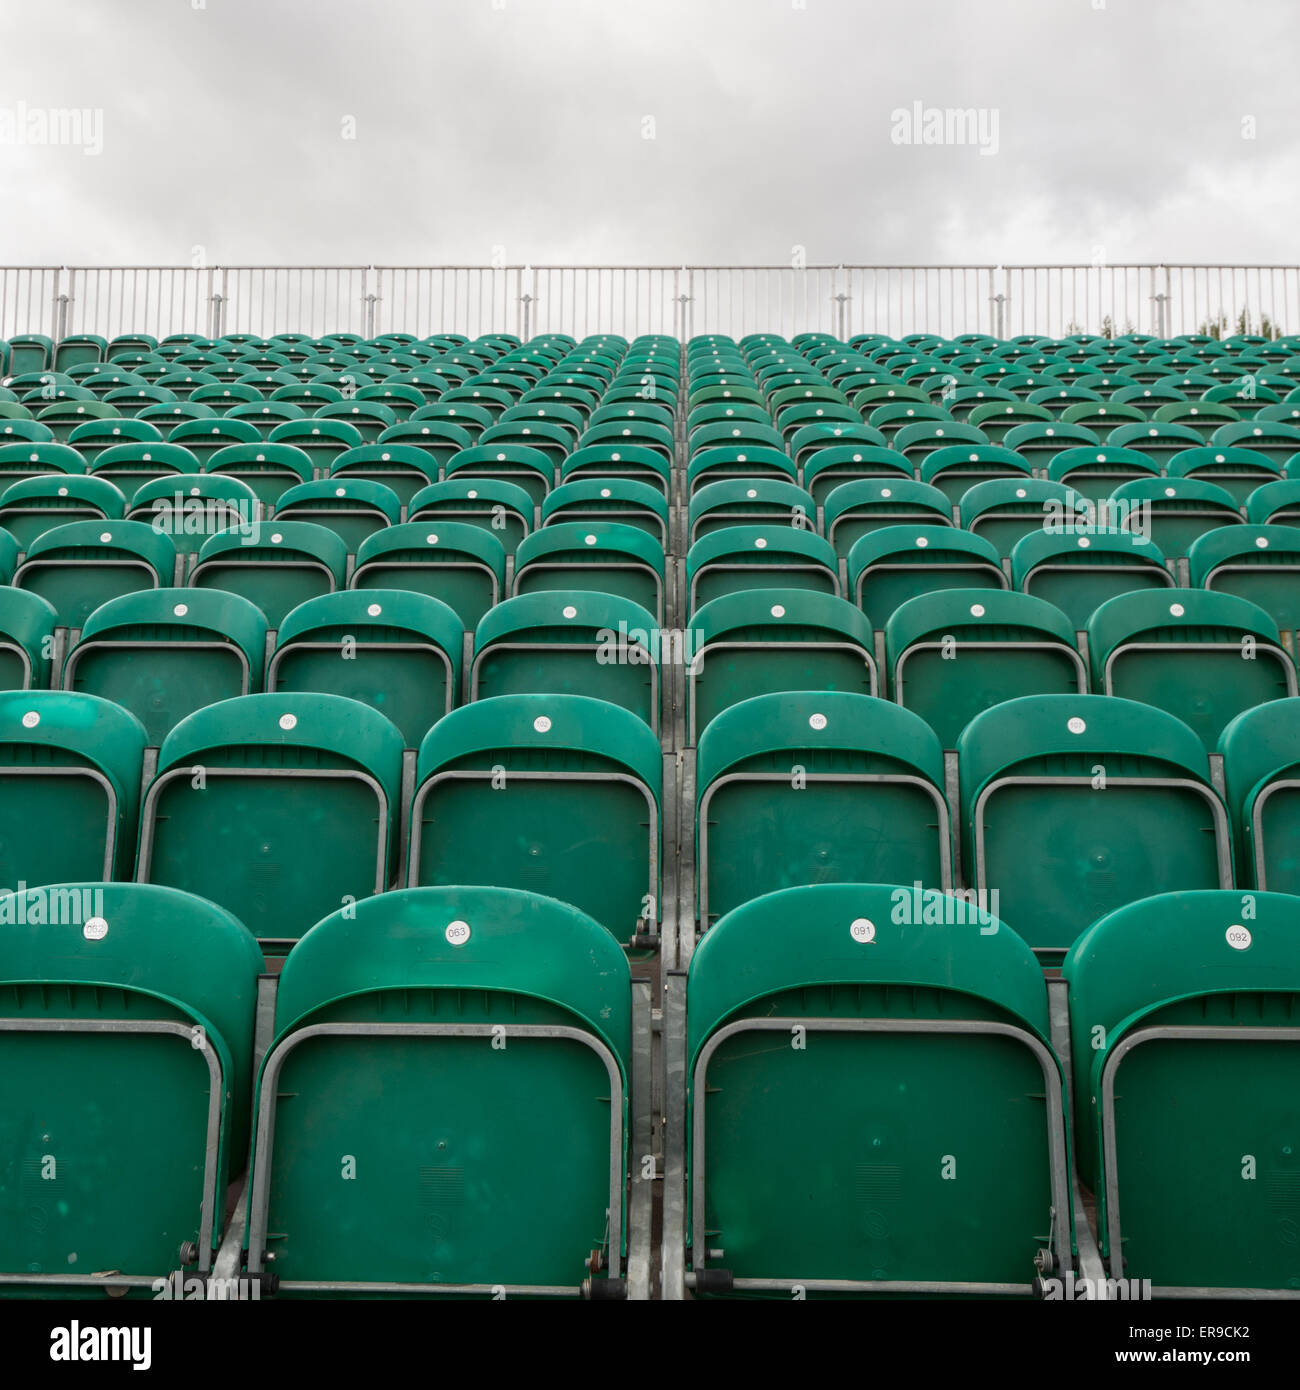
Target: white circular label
[977, 610]
[431, 538]
[95, 929]
[31, 719]
[1177, 609]
[590, 540]
[105, 535]
[1238, 938]
[863, 931]
[457, 933]
[1076, 725]
[542, 724]
[778, 610]
[288, 721]
[374, 610]
[817, 721]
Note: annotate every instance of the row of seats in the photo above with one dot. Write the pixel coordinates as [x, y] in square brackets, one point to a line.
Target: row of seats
[1068, 805]
[899, 1041]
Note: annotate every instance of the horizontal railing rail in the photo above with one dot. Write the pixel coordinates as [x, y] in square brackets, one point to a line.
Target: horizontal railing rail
[1002, 300]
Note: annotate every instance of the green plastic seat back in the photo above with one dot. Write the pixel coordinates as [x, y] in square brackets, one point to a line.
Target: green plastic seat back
[1259, 563]
[353, 508]
[763, 557]
[816, 787]
[1261, 765]
[604, 556]
[502, 508]
[575, 772]
[889, 566]
[27, 624]
[396, 651]
[1079, 567]
[278, 807]
[460, 564]
[275, 565]
[1075, 804]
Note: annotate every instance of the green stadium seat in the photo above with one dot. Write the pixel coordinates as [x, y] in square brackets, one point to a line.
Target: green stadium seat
[1261, 765]
[165, 653]
[1003, 510]
[516, 1015]
[126, 1077]
[460, 564]
[954, 469]
[31, 459]
[604, 556]
[1202, 656]
[624, 500]
[27, 623]
[749, 502]
[1173, 511]
[281, 808]
[30, 352]
[759, 557]
[1258, 563]
[1073, 805]
[71, 762]
[352, 508]
[816, 787]
[401, 468]
[63, 417]
[35, 505]
[1275, 441]
[558, 793]
[954, 653]
[323, 441]
[275, 565]
[82, 564]
[767, 641]
[503, 509]
[1238, 471]
[853, 509]
[616, 461]
[96, 437]
[1183, 1131]
[1095, 473]
[269, 469]
[130, 466]
[895, 563]
[1078, 571]
[1275, 504]
[572, 642]
[529, 468]
[914, 1039]
[396, 651]
[206, 438]
[190, 507]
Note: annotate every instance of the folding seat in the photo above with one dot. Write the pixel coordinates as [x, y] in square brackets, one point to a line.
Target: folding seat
[438, 440]
[723, 410]
[816, 787]
[96, 437]
[352, 509]
[1038, 443]
[35, 505]
[749, 501]
[69, 787]
[401, 468]
[603, 556]
[738, 434]
[127, 1083]
[1183, 1130]
[129, 466]
[228, 395]
[1202, 416]
[1172, 511]
[747, 557]
[894, 990]
[559, 793]
[322, 441]
[269, 469]
[1101, 415]
[1275, 504]
[957, 468]
[890, 565]
[275, 565]
[503, 509]
[403, 401]
[278, 807]
[837, 464]
[474, 966]
[1276, 441]
[164, 653]
[1094, 473]
[997, 418]
[204, 438]
[554, 441]
[1204, 657]
[1258, 563]
[954, 653]
[765, 641]
[854, 509]
[1003, 510]
[917, 442]
[1261, 765]
[1078, 569]
[613, 461]
[81, 564]
[572, 642]
[62, 417]
[1238, 471]
[525, 467]
[177, 412]
[813, 439]
[1073, 805]
[623, 500]
[29, 352]
[396, 651]
[724, 464]
[461, 564]
[185, 382]
[27, 624]
[965, 399]
[77, 348]
[190, 507]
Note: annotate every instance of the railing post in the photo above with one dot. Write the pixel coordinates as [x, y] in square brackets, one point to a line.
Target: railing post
[61, 325]
[999, 322]
[526, 301]
[370, 301]
[841, 310]
[215, 303]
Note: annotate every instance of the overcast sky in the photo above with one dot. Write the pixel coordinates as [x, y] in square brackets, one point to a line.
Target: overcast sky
[517, 127]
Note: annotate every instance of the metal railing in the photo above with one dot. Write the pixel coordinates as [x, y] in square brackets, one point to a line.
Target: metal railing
[678, 300]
